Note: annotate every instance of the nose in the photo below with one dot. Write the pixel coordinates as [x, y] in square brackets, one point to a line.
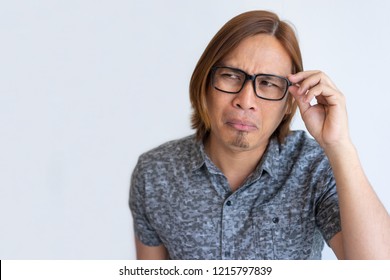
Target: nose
[246, 99]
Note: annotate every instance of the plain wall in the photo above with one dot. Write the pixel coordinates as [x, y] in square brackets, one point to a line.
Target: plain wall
[87, 86]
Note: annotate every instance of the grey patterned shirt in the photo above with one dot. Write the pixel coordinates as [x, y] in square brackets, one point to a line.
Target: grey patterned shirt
[284, 210]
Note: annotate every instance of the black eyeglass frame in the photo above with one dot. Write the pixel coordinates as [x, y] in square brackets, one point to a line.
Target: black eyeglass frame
[252, 78]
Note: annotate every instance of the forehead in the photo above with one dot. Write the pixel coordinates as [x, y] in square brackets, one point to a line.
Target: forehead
[261, 53]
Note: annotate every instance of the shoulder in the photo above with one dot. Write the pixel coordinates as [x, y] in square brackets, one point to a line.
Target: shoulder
[158, 168]
[299, 142]
[299, 148]
[179, 150]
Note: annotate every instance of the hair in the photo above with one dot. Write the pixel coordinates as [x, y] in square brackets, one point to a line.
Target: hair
[228, 37]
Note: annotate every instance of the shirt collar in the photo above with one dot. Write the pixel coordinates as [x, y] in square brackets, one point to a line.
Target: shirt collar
[270, 160]
[198, 155]
[201, 158]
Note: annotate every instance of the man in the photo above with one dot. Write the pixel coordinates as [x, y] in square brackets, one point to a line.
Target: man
[245, 186]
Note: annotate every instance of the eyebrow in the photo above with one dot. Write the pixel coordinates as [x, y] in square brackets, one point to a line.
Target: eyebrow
[262, 73]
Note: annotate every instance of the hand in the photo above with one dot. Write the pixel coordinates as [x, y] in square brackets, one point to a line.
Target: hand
[327, 120]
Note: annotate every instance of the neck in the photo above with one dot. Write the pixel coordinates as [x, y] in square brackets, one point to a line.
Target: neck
[236, 164]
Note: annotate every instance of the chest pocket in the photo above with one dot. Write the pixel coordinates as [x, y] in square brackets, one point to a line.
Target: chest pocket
[282, 232]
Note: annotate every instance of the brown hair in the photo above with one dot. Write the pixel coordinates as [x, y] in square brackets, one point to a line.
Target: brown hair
[228, 37]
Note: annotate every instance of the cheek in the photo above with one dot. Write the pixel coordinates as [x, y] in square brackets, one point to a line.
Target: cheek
[216, 103]
[274, 113]
[278, 107]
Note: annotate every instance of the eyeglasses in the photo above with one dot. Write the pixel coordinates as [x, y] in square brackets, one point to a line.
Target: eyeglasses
[266, 86]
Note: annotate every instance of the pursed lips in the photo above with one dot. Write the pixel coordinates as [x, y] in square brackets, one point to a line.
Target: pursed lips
[241, 125]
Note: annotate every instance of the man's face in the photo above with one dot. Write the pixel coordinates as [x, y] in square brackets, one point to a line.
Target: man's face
[242, 121]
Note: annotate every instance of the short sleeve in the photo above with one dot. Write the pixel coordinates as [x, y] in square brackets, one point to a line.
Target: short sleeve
[327, 207]
[137, 202]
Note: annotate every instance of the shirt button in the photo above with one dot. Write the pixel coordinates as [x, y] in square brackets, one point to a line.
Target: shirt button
[275, 220]
[228, 203]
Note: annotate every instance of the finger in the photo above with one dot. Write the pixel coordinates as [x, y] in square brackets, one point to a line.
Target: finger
[309, 79]
[321, 100]
[329, 96]
[299, 98]
[310, 82]
[300, 76]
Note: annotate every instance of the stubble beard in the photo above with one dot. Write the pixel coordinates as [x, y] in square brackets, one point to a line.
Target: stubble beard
[240, 140]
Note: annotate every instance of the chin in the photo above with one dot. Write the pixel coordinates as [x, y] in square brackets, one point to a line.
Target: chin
[240, 140]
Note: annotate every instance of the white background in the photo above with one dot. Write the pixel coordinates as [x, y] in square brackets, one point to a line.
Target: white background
[87, 86]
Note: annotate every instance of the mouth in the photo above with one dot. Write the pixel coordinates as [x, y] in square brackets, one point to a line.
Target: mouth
[240, 125]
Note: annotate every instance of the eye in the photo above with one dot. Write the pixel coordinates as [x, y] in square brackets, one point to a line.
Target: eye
[267, 84]
[230, 76]
[270, 82]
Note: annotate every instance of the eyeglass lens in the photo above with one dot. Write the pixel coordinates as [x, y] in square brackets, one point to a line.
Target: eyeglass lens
[266, 86]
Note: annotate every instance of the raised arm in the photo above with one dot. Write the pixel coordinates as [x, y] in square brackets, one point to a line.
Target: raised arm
[365, 222]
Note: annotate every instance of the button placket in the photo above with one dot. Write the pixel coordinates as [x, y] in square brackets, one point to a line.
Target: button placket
[227, 229]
